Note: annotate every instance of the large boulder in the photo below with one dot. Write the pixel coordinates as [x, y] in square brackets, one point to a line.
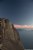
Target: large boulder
[10, 37]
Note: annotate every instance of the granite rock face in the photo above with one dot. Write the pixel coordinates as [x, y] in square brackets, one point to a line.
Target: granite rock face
[10, 37]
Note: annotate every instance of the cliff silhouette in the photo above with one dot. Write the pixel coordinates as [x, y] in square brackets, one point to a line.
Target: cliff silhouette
[9, 37]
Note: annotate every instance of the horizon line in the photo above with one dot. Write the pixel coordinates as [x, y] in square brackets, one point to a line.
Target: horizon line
[23, 26]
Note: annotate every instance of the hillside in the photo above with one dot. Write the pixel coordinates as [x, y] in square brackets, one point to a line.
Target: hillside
[10, 36]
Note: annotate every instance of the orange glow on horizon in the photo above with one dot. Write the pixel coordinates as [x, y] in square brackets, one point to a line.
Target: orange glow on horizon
[23, 26]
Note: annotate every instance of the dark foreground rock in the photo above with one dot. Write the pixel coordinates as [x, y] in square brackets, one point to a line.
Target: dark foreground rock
[10, 37]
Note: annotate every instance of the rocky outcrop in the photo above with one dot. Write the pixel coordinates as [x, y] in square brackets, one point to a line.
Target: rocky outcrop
[10, 37]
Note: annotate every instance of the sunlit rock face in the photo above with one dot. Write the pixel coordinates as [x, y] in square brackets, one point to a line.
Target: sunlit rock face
[10, 36]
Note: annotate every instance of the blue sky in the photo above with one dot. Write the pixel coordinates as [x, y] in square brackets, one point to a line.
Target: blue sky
[17, 11]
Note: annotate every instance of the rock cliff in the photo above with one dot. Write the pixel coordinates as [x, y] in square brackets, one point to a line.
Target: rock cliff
[10, 36]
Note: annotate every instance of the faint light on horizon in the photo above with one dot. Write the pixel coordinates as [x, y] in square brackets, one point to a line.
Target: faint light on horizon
[23, 26]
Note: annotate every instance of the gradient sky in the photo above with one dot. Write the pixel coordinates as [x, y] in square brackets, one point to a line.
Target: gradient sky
[17, 11]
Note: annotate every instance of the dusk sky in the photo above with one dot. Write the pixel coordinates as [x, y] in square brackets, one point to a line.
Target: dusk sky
[17, 11]
[20, 13]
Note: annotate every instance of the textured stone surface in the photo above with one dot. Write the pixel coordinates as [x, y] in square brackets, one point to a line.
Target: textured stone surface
[11, 39]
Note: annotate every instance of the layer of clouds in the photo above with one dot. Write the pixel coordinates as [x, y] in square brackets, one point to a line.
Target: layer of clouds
[23, 26]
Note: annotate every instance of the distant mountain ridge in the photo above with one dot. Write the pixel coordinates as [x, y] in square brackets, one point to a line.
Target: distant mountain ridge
[25, 29]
